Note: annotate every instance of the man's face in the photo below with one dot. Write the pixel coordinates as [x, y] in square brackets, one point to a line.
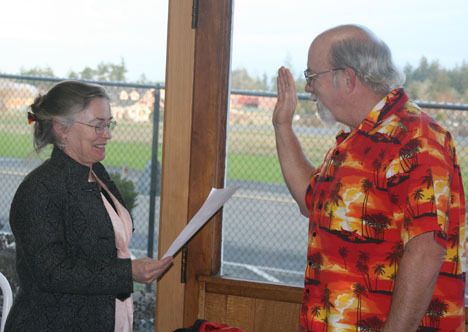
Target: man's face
[323, 87]
[324, 114]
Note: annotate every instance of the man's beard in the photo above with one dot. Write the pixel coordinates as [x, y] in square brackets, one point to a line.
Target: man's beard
[324, 114]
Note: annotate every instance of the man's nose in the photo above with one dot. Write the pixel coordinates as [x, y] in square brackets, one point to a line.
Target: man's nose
[309, 87]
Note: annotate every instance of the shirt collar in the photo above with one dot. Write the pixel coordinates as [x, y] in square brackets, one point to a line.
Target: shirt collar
[74, 169]
[387, 106]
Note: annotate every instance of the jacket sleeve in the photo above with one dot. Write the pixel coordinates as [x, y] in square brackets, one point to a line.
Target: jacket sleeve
[37, 221]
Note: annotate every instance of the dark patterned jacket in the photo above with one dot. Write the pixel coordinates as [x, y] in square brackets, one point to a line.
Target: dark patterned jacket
[67, 264]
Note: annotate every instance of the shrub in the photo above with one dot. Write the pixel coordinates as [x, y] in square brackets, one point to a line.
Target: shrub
[144, 306]
[127, 189]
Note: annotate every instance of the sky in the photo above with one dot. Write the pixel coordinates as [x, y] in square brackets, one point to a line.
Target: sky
[69, 35]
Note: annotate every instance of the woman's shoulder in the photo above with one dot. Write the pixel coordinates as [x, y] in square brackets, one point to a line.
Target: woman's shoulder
[36, 191]
[46, 177]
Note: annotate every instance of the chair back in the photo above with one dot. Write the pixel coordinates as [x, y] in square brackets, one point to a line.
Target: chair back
[7, 299]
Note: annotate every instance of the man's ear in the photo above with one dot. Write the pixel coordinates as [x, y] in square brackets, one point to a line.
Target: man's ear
[350, 79]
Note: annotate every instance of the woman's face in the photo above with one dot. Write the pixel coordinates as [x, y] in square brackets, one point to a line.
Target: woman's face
[82, 141]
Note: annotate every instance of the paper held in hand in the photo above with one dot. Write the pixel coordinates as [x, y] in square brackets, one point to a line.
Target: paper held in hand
[213, 203]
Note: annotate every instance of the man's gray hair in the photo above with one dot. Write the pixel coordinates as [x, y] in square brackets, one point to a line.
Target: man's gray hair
[371, 59]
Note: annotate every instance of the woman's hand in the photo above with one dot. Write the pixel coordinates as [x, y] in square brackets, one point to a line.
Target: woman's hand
[147, 270]
[287, 99]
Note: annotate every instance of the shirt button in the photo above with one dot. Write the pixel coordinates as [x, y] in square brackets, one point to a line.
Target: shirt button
[314, 234]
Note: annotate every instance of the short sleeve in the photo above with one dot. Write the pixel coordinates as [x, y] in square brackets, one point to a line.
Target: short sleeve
[424, 189]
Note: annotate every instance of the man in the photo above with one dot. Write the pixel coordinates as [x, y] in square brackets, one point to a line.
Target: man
[386, 208]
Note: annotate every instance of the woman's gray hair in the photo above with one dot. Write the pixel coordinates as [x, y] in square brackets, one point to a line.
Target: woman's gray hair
[370, 58]
[62, 102]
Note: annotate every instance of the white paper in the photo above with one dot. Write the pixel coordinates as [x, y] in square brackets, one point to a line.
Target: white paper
[214, 201]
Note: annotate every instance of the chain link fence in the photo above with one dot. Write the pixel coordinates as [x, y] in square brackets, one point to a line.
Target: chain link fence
[130, 155]
[264, 235]
[133, 160]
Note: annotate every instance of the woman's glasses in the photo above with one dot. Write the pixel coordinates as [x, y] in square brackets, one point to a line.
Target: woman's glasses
[100, 128]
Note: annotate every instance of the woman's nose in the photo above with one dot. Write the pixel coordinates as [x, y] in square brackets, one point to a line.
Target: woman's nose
[107, 133]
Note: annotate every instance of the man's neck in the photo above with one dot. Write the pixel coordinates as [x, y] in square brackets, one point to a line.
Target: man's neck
[362, 104]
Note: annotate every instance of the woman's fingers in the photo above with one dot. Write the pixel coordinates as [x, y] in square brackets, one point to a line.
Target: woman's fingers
[162, 266]
[147, 270]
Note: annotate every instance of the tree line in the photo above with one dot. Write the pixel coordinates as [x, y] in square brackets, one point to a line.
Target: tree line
[427, 81]
[104, 71]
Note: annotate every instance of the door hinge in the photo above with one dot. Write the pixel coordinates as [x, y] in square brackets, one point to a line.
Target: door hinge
[183, 269]
[194, 14]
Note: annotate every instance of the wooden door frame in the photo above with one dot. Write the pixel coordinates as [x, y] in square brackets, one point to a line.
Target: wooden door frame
[194, 141]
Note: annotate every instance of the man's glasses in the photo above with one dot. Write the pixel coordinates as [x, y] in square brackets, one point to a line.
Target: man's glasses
[311, 77]
[101, 128]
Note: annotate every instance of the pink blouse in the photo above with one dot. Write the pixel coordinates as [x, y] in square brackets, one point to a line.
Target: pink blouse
[122, 223]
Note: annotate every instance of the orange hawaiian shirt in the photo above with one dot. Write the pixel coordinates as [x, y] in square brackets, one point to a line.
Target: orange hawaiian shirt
[390, 179]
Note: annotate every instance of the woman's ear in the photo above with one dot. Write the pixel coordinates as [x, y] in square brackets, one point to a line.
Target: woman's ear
[60, 130]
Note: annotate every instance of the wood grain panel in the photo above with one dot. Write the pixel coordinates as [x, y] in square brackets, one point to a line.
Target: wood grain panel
[252, 289]
[275, 316]
[215, 307]
[466, 318]
[241, 312]
[176, 157]
[208, 139]
[252, 306]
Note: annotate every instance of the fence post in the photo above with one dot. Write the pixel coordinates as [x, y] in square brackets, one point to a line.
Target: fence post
[154, 171]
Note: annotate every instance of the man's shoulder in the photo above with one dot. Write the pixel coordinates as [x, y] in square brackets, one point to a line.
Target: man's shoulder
[419, 124]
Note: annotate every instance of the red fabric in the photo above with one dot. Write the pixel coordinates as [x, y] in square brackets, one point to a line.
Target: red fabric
[217, 327]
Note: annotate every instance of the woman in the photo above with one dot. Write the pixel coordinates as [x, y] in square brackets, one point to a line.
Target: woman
[71, 226]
